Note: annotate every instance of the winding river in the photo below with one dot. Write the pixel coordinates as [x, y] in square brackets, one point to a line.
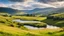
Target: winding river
[31, 27]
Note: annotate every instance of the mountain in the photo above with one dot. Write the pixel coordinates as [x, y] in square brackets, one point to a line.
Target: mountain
[37, 9]
[60, 10]
[50, 11]
[8, 10]
[45, 7]
[44, 11]
[33, 7]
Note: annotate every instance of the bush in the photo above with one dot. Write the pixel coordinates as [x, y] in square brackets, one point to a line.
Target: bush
[11, 25]
[2, 22]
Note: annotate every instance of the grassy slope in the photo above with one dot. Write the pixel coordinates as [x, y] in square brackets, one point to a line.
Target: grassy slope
[6, 30]
[12, 31]
[51, 21]
[59, 15]
[30, 18]
[9, 20]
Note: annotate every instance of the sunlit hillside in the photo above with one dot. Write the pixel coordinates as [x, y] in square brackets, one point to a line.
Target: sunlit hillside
[10, 28]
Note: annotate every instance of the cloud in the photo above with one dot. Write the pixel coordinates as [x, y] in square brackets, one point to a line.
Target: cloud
[46, 1]
[21, 0]
[26, 5]
[29, 5]
[3, 5]
[16, 0]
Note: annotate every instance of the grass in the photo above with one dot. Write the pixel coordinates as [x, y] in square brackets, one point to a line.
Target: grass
[10, 28]
[9, 21]
[12, 31]
[59, 15]
[29, 18]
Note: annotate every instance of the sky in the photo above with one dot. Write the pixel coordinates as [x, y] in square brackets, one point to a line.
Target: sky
[27, 4]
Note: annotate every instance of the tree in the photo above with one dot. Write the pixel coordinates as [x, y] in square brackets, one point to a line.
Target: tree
[61, 25]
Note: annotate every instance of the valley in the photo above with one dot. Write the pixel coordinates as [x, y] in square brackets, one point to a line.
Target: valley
[31, 17]
[28, 25]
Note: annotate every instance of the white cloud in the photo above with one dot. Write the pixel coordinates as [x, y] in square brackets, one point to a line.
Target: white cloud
[3, 5]
[21, 6]
[58, 4]
[27, 5]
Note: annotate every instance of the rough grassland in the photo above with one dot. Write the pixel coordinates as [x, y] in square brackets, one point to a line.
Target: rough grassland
[12, 31]
[6, 30]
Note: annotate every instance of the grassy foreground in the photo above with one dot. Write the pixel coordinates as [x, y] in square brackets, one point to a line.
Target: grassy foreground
[10, 28]
[12, 31]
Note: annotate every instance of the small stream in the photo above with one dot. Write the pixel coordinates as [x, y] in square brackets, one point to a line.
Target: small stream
[31, 27]
[22, 21]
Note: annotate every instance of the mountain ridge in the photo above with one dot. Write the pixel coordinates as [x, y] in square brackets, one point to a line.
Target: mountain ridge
[8, 10]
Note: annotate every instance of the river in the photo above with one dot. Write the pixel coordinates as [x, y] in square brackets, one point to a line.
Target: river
[31, 27]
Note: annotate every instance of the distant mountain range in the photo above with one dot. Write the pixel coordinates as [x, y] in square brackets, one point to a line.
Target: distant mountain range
[36, 10]
[32, 7]
[44, 11]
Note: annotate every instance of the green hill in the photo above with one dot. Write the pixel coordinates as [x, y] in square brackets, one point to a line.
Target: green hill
[55, 19]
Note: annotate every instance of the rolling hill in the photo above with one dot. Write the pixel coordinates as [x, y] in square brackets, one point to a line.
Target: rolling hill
[7, 10]
[44, 11]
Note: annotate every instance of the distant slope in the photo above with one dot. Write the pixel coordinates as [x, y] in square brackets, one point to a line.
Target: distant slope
[44, 11]
[49, 11]
[60, 10]
[37, 10]
[8, 10]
